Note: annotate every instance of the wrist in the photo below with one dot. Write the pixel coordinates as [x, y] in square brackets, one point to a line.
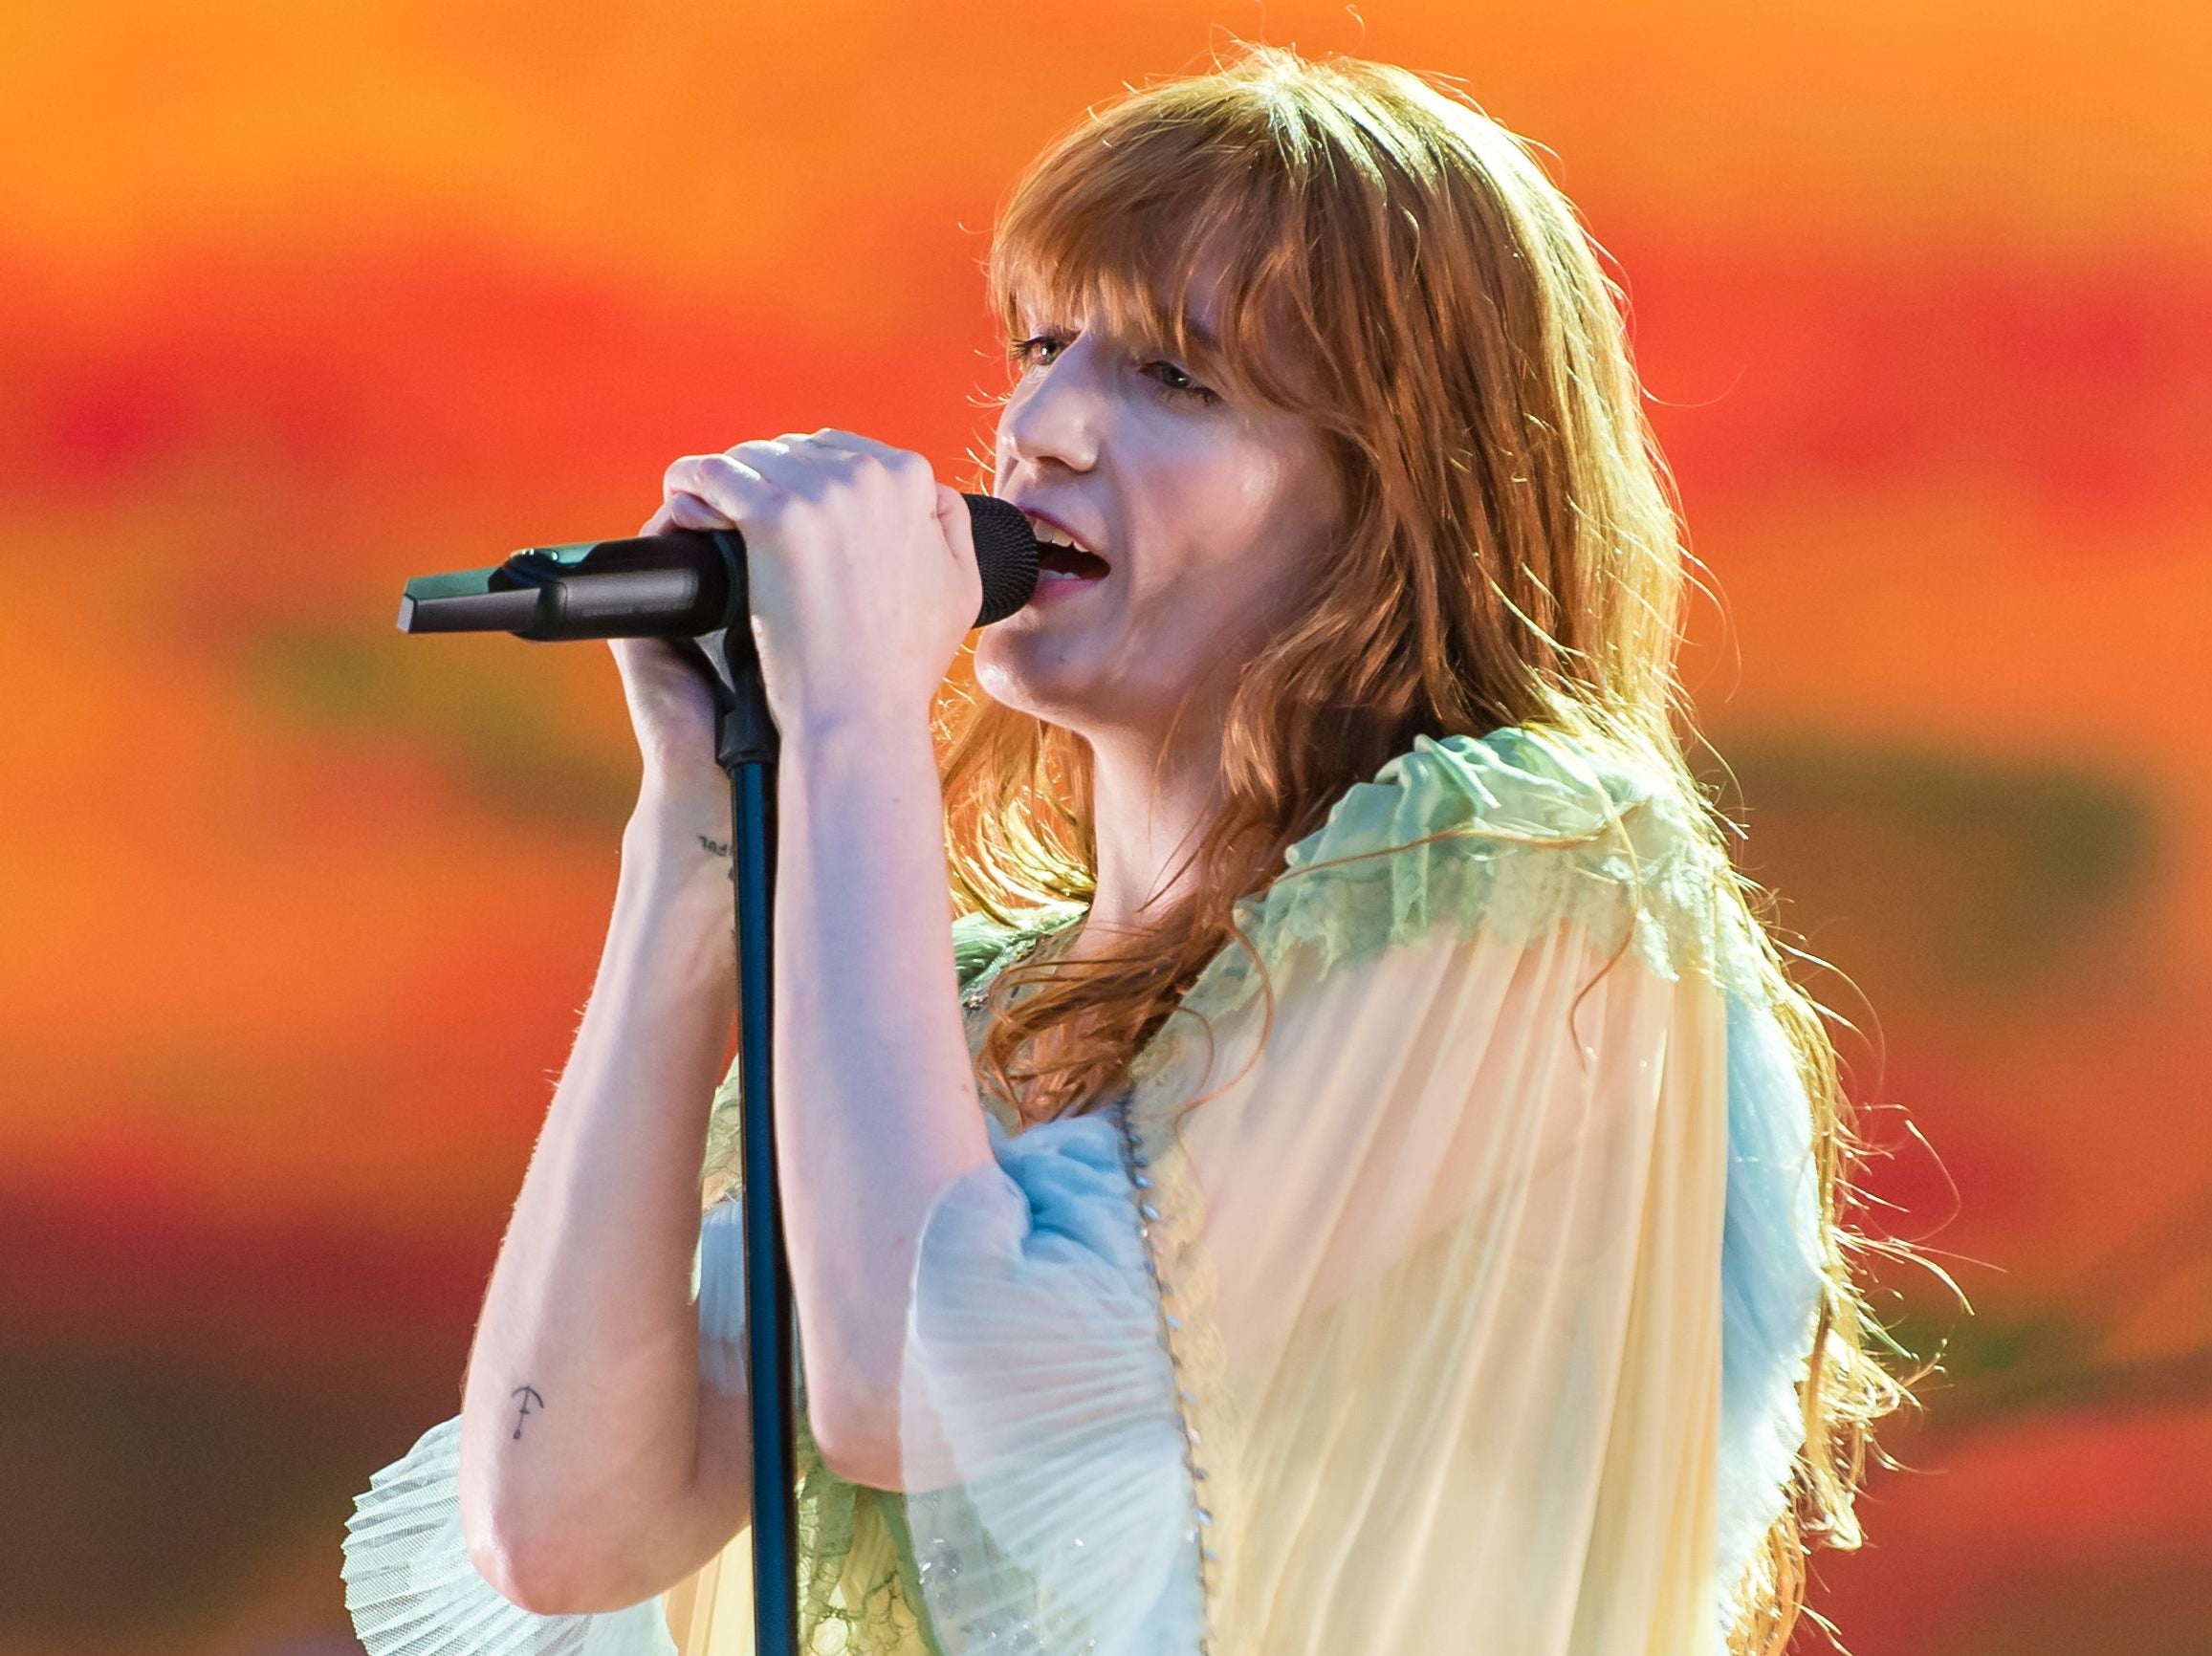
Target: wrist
[703, 795]
[826, 730]
[680, 843]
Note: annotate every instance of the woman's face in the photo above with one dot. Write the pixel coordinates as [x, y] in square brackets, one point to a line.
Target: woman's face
[1205, 520]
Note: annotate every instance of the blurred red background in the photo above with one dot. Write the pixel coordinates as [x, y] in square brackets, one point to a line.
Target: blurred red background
[301, 913]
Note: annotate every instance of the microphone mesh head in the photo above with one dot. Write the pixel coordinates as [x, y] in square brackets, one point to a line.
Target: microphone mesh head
[1005, 556]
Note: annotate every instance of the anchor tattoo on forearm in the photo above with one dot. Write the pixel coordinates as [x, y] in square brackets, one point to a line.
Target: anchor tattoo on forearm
[529, 1395]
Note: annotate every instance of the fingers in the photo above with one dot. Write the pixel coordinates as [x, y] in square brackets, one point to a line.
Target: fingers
[904, 464]
[690, 512]
[656, 523]
[745, 478]
[720, 484]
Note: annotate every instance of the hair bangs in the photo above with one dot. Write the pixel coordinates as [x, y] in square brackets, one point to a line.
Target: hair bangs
[1117, 223]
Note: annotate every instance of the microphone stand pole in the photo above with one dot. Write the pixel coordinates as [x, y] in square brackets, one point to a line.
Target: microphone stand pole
[747, 746]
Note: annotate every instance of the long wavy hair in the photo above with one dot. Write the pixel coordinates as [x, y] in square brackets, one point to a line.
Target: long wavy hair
[1511, 555]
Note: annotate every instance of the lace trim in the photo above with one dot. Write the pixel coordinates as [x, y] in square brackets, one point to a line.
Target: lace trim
[1507, 835]
[855, 1598]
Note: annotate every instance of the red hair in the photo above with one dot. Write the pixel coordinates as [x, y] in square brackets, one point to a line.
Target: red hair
[1511, 555]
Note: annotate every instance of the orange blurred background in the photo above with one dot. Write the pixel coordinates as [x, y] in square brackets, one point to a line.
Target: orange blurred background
[299, 301]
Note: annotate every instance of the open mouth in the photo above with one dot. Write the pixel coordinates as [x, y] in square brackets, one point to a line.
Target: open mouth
[1069, 560]
[1059, 555]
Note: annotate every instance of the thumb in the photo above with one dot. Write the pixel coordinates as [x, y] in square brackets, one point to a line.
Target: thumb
[959, 530]
[952, 519]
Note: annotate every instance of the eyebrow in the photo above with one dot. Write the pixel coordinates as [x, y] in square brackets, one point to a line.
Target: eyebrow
[1209, 344]
[1200, 334]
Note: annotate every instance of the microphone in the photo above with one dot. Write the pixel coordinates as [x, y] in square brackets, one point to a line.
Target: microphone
[685, 584]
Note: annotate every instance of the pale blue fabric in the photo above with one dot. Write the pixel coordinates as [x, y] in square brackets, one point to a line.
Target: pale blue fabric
[1035, 1347]
[1770, 1281]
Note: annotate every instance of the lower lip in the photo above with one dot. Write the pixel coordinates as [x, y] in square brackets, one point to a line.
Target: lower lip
[1052, 587]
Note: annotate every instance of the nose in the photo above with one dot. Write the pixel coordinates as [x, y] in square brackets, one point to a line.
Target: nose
[1058, 412]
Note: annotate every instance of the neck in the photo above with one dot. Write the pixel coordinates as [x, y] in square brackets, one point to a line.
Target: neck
[1148, 814]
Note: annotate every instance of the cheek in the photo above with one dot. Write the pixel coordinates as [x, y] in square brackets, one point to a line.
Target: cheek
[1251, 520]
[1203, 494]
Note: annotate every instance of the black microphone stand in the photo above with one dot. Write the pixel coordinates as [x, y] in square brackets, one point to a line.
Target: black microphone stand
[747, 746]
[688, 587]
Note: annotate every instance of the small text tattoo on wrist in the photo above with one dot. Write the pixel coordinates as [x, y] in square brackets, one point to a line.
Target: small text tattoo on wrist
[528, 1394]
[716, 848]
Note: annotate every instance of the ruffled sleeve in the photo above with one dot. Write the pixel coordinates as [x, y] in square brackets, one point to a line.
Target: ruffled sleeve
[1386, 1309]
[410, 1586]
[1041, 1449]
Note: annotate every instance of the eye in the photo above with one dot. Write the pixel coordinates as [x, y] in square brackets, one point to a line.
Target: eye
[1042, 350]
[1037, 351]
[1176, 383]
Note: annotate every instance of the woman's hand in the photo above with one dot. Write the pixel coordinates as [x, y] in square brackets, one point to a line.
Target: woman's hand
[861, 567]
[671, 704]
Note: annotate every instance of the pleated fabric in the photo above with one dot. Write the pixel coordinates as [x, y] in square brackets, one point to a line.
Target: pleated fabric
[1042, 1445]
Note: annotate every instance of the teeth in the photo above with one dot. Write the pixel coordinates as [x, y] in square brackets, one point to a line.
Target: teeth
[1054, 536]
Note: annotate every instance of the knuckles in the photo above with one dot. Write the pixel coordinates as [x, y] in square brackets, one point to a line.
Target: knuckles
[909, 468]
[811, 479]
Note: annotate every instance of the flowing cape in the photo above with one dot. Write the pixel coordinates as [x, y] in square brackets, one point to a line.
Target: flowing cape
[1443, 1278]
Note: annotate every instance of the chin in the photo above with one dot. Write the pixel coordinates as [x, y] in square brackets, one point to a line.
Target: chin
[1032, 673]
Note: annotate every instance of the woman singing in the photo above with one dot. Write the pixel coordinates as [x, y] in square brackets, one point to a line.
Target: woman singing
[1359, 1178]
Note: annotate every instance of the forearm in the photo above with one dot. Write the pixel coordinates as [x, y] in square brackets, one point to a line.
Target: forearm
[580, 1429]
[876, 1102]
